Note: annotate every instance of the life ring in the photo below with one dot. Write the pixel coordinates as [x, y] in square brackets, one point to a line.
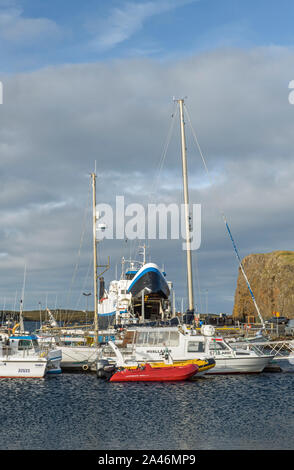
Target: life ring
[15, 328]
[85, 367]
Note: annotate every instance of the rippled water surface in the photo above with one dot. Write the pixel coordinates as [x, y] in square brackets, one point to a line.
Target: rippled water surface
[79, 411]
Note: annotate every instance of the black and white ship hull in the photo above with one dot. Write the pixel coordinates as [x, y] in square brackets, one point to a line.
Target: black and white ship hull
[150, 279]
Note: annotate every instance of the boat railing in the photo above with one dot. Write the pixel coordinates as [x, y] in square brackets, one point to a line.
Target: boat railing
[279, 349]
[7, 351]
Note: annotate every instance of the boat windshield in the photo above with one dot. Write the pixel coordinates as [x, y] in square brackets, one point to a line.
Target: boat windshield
[217, 345]
[130, 275]
[25, 344]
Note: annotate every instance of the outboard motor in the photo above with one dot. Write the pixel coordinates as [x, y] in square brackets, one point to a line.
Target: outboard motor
[104, 369]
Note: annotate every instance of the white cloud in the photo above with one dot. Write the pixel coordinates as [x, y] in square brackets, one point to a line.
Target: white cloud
[125, 21]
[16, 28]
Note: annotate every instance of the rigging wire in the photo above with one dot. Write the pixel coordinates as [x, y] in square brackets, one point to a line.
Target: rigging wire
[90, 266]
[84, 226]
[151, 195]
[164, 153]
[226, 224]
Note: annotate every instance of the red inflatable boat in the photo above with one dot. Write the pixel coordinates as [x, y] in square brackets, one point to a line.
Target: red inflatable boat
[147, 373]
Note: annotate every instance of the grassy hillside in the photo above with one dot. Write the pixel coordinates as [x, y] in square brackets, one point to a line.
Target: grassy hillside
[60, 315]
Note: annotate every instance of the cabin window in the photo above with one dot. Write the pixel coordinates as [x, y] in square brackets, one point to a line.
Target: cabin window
[145, 337]
[24, 344]
[142, 338]
[195, 346]
[152, 337]
[139, 339]
[217, 345]
[174, 338]
[163, 338]
[158, 338]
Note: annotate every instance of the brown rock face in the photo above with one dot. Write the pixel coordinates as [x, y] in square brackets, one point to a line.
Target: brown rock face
[271, 276]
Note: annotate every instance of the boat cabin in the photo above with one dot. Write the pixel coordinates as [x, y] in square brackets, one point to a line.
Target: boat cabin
[25, 344]
[152, 343]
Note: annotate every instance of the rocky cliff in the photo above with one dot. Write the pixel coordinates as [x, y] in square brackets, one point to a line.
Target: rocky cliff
[271, 276]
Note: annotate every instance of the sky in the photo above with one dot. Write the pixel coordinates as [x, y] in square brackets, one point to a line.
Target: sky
[92, 83]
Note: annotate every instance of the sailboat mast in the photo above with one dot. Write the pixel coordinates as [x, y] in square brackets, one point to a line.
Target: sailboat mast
[186, 202]
[21, 302]
[93, 175]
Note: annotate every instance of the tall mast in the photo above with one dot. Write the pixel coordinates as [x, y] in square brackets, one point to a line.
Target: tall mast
[187, 216]
[21, 302]
[93, 175]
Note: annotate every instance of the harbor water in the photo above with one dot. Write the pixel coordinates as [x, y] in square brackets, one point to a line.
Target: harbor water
[78, 411]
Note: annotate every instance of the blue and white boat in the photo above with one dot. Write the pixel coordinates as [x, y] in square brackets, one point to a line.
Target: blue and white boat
[150, 280]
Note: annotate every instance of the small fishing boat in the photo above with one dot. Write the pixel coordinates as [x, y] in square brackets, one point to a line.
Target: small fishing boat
[20, 357]
[32, 345]
[147, 373]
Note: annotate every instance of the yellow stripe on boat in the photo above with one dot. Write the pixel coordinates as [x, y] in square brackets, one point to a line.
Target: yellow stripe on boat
[203, 365]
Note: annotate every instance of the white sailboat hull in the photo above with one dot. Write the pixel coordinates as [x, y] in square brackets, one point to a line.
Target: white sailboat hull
[22, 368]
[78, 357]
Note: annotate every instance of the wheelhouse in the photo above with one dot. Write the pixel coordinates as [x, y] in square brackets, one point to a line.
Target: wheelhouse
[24, 343]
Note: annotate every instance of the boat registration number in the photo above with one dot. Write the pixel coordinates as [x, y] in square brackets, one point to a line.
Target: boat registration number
[24, 371]
[158, 351]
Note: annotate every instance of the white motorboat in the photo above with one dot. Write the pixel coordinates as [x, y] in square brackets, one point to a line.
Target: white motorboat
[33, 344]
[233, 360]
[20, 356]
[150, 344]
